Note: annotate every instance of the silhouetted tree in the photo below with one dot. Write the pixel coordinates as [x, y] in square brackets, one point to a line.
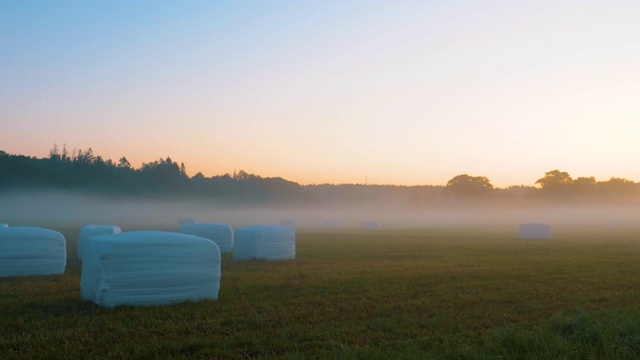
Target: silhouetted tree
[54, 153]
[240, 176]
[86, 157]
[65, 154]
[584, 186]
[124, 163]
[555, 181]
[469, 186]
[199, 176]
[618, 188]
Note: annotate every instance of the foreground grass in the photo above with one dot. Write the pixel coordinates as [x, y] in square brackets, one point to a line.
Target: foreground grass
[464, 294]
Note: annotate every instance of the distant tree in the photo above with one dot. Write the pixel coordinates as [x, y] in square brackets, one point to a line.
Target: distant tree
[519, 192]
[164, 176]
[86, 157]
[469, 186]
[241, 175]
[65, 154]
[98, 160]
[555, 181]
[124, 163]
[199, 176]
[584, 185]
[54, 153]
[618, 188]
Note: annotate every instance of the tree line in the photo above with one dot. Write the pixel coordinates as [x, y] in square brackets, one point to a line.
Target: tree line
[87, 172]
[555, 185]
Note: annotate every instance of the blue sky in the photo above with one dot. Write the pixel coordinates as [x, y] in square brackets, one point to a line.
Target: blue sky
[411, 92]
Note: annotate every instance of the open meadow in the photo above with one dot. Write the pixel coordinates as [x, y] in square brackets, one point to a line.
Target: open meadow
[463, 293]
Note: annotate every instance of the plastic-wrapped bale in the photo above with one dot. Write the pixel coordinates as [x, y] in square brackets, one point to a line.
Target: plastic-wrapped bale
[3, 226]
[370, 225]
[288, 223]
[187, 221]
[332, 224]
[149, 268]
[534, 231]
[31, 251]
[88, 231]
[269, 242]
[220, 234]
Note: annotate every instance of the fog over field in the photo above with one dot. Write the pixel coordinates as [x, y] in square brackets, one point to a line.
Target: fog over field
[55, 208]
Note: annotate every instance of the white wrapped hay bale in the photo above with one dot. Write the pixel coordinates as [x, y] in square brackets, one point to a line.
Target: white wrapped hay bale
[534, 231]
[370, 225]
[3, 226]
[149, 268]
[270, 242]
[290, 223]
[31, 251]
[220, 234]
[88, 231]
[187, 221]
[332, 224]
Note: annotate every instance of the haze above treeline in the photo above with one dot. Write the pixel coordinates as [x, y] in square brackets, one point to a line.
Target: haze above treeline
[86, 172]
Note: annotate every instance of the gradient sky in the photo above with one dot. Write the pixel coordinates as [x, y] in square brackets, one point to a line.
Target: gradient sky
[409, 92]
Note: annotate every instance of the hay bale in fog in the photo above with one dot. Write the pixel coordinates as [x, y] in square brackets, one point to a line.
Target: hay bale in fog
[187, 221]
[149, 268]
[534, 231]
[332, 224]
[221, 234]
[370, 225]
[269, 242]
[3, 226]
[288, 223]
[31, 251]
[88, 231]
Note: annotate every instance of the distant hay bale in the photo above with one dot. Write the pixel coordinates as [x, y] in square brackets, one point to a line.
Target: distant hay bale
[149, 268]
[269, 242]
[332, 224]
[3, 226]
[370, 225]
[221, 234]
[31, 251]
[88, 231]
[187, 221]
[534, 231]
[288, 223]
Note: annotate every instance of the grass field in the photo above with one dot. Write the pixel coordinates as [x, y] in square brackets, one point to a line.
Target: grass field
[472, 293]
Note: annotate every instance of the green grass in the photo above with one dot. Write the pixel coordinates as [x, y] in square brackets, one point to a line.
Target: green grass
[454, 294]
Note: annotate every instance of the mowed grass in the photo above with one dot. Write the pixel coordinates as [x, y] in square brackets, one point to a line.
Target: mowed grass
[470, 293]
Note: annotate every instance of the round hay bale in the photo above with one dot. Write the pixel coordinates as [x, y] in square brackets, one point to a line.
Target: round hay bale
[269, 242]
[370, 225]
[534, 231]
[221, 234]
[187, 221]
[88, 231]
[31, 251]
[149, 268]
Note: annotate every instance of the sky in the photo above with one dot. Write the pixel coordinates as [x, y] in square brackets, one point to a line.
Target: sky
[382, 92]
